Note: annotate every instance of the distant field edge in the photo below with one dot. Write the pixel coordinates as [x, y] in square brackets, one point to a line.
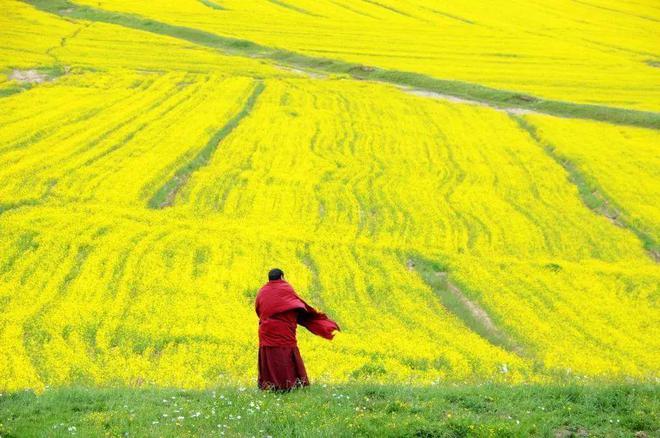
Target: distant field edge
[465, 90]
[336, 411]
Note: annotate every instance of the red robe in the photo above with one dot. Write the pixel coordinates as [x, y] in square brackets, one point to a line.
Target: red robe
[280, 309]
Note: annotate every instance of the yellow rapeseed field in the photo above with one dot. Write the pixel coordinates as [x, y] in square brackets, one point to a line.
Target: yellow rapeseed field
[623, 161]
[148, 183]
[598, 51]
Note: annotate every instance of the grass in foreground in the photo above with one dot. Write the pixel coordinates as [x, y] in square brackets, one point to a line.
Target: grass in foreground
[337, 410]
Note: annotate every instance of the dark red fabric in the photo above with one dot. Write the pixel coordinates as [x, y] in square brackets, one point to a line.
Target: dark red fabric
[281, 368]
[278, 296]
[279, 330]
[280, 310]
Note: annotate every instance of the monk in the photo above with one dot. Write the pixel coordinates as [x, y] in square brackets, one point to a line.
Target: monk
[280, 310]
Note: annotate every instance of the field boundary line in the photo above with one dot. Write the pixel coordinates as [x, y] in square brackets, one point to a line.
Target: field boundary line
[465, 90]
[165, 195]
[456, 302]
[591, 194]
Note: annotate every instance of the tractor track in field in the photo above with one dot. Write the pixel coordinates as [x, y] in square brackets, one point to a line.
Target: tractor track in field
[510, 101]
[602, 204]
[456, 301]
[166, 194]
[453, 99]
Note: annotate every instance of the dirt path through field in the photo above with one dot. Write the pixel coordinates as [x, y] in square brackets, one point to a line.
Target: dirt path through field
[454, 99]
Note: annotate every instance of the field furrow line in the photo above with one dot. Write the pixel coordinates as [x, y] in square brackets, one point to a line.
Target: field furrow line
[166, 194]
[460, 89]
[593, 197]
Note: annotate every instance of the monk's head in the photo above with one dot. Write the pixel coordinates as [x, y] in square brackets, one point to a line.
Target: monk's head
[275, 274]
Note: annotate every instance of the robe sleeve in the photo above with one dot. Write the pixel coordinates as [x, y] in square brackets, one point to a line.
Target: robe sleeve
[317, 322]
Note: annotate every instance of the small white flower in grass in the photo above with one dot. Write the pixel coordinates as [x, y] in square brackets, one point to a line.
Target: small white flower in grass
[180, 418]
[165, 415]
[154, 422]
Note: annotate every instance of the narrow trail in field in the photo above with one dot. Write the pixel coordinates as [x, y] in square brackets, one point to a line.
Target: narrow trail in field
[454, 99]
[301, 72]
[512, 101]
[164, 197]
[593, 197]
[456, 302]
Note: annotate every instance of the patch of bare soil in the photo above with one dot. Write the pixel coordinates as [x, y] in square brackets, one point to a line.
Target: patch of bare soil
[447, 97]
[476, 311]
[482, 316]
[29, 76]
[308, 73]
[179, 182]
[454, 99]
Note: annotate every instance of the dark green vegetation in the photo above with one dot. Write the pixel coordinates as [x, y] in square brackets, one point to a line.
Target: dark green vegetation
[342, 410]
[465, 90]
[8, 91]
[165, 195]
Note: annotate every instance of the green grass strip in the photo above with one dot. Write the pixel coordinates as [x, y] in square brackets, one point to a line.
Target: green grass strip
[354, 409]
[164, 196]
[9, 91]
[435, 275]
[465, 90]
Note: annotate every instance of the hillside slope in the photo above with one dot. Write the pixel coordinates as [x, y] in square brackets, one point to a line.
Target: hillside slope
[148, 182]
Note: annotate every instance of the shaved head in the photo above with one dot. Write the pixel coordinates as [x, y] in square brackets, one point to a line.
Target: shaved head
[275, 274]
